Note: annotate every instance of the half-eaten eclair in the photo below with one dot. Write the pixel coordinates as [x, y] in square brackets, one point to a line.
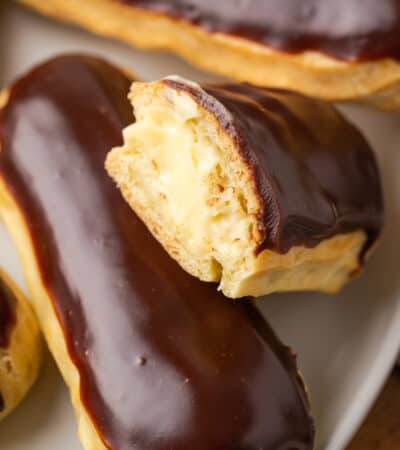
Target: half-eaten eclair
[262, 190]
[20, 346]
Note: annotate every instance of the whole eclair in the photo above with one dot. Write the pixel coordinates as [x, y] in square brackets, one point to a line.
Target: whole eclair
[332, 49]
[154, 359]
[20, 346]
[260, 189]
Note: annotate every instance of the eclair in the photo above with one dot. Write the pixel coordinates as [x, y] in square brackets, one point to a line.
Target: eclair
[336, 50]
[20, 346]
[258, 189]
[154, 358]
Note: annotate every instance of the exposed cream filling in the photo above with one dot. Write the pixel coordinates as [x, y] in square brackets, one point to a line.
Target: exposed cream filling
[178, 169]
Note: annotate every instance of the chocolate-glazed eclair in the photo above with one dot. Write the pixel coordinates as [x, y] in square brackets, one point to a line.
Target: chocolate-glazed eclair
[263, 190]
[154, 359]
[337, 50]
[20, 346]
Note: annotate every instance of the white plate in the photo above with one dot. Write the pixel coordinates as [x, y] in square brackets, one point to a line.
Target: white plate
[346, 343]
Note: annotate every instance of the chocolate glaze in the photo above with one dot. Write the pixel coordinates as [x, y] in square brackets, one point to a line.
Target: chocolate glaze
[7, 315]
[2, 404]
[351, 30]
[315, 174]
[165, 361]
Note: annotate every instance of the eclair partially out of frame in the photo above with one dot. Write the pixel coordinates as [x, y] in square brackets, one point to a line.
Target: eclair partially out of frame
[154, 359]
[20, 346]
[259, 189]
[336, 50]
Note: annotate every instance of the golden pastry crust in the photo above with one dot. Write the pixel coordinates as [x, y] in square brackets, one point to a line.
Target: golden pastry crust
[183, 172]
[313, 73]
[20, 360]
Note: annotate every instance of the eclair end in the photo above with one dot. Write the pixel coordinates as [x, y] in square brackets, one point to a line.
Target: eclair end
[211, 178]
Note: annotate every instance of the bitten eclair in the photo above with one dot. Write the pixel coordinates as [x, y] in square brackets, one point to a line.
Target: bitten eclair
[20, 346]
[154, 359]
[336, 50]
[262, 190]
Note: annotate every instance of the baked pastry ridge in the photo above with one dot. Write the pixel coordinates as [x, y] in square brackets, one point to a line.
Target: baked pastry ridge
[342, 50]
[262, 190]
[20, 346]
[154, 358]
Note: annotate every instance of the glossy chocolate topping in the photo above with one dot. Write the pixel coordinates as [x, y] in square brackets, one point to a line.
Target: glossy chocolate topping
[345, 29]
[165, 361]
[315, 173]
[7, 315]
[2, 404]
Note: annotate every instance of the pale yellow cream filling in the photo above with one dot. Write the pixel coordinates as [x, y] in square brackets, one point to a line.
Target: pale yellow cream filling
[177, 167]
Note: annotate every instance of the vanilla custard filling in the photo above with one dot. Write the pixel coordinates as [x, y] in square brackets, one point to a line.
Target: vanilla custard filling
[176, 165]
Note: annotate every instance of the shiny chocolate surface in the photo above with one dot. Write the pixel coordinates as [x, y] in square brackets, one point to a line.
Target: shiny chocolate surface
[7, 315]
[315, 173]
[165, 361]
[346, 29]
[2, 404]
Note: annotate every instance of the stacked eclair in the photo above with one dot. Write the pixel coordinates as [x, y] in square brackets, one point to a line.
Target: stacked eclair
[261, 190]
[125, 209]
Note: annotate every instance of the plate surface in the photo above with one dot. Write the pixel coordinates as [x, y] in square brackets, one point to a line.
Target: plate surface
[346, 343]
